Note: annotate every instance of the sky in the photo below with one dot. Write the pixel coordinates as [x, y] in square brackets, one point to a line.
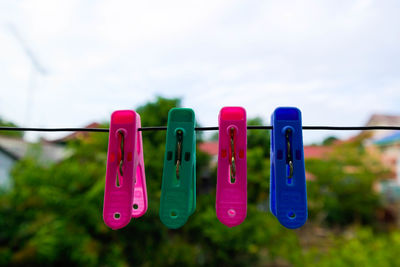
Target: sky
[338, 61]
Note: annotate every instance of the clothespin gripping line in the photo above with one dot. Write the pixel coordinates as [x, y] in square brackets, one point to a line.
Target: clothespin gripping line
[289, 157]
[232, 156]
[179, 152]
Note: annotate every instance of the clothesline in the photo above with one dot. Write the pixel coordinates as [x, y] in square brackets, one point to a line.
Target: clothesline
[164, 128]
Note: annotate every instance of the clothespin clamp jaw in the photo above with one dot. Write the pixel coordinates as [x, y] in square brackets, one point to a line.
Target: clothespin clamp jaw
[125, 194]
[288, 194]
[178, 191]
[231, 199]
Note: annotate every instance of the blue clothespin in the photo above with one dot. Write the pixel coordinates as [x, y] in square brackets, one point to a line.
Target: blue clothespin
[288, 193]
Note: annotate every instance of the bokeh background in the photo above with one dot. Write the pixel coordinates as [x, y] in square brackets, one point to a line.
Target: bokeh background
[71, 63]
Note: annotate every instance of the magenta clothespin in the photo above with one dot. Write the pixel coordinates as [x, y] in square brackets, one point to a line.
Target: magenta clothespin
[125, 194]
[231, 202]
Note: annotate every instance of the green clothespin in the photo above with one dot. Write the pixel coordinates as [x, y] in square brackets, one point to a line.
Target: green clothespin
[178, 190]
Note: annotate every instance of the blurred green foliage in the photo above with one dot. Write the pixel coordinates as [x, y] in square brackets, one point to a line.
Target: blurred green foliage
[343, 192]
[329, 140]
[10, 133]
[53, 213]
[359, 247]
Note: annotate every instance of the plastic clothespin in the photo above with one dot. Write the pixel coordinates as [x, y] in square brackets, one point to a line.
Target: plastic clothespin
[125, 194]
[178, 191]
[288, 194]
[231, 200]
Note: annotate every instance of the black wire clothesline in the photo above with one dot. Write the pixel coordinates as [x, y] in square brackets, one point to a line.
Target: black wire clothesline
[164, 128]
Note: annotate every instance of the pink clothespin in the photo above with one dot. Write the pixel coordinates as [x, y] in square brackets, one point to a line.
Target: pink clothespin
[231, 202]
[125, 194]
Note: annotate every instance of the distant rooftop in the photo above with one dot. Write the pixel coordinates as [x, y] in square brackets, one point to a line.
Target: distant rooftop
[18, 148]
[384, 120]
[389, 140]
[210, 148]
[74, 135]
[316, 152]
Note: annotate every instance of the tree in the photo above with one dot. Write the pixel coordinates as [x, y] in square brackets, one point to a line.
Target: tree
[329, 140]
[343, 193]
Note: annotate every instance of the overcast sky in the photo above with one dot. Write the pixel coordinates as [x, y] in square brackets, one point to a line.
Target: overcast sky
[338, 61]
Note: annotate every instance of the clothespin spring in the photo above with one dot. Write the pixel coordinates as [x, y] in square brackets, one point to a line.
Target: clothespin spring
[289, 158]
[179, 152]
[122, 152]
[233, 155]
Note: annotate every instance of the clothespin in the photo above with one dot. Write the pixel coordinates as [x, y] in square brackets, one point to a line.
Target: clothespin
[288, 194]
[178, 191]
[125, 194]
[231, 200]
